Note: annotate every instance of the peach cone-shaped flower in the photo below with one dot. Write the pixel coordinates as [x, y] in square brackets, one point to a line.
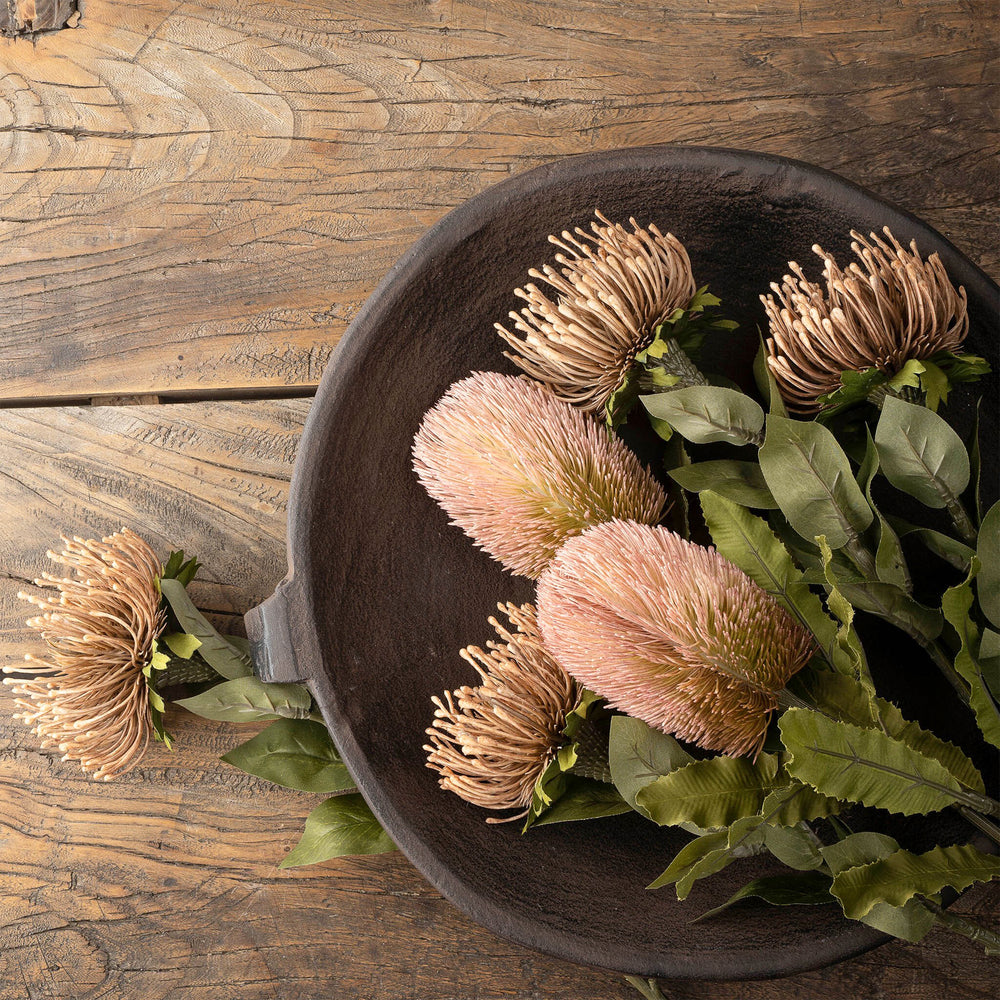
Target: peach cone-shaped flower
[520, 471]
[612, 290]
[670, 633]
[891, 308]
[90, 697]
[491, 743]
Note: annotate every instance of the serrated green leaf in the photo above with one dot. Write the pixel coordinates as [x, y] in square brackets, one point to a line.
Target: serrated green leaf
[795, 803]
[181, 644]
[178, 568]
[794, 846]
[902, 875]
[707, 413]
[639, 754]
[810, 477]
[909, 922]
[711, 793]
[582, 799]
[857, 849]
[934, 383]
[247, 699]
[740, 482]
[865, 765]
[855, 387]
[293, 753]
[748, 542]
[956, 606]
[921, 454]
[228, 661]
[988, 550]
[339, 827]
[807, 889]
[890, 564]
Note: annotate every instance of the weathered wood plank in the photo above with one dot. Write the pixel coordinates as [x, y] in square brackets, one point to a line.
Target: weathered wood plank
[196, 195]
[163, 883]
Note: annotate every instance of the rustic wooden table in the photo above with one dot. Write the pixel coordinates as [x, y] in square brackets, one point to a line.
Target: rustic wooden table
[195, 199]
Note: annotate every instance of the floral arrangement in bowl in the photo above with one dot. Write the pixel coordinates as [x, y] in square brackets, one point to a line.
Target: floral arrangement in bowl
[693, 652]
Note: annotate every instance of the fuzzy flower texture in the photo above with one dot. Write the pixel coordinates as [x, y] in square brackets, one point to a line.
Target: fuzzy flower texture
[670, 633]
[521, 472]
[89, 698]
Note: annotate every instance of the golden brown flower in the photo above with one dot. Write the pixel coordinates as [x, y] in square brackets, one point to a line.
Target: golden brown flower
[90, 698]
[891, 308]
[491, 743]
[521, 471]
[671, 633]
[614, 288]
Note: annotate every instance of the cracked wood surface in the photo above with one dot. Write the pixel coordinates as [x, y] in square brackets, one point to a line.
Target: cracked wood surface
[163, 884]
[201, 195]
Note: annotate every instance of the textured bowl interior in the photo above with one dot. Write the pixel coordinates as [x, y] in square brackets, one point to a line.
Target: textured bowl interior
[390, 591]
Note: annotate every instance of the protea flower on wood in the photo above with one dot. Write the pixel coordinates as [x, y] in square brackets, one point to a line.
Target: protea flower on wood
[491, 743]
[520, 471]
[90, 698]
[612, 291]
[670, 633]
[891, 308]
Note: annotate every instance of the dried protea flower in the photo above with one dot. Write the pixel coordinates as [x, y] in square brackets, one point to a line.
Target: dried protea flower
[491, 743]
[614, 288]
[671, 633]
[90, 698]
[520, 471]
[881, 313]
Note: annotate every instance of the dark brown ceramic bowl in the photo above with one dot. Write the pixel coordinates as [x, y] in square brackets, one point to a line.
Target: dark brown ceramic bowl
[382, 592]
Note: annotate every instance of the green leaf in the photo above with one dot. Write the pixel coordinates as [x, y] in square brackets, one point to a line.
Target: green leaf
[951, 550]
[584, 798]
[217, 652]
[810, 477]
[740, 482]
[639, 754]
[247, 699]
[707, 413]
[988, 550]
[902, 875]
[797, 802]
[339, 827]
[890, 565]
[934, 383]
[956, 605]
[865, 765]
[921, 454]
[749, 543]
[794, 846]
[767, 384]
[711, 793]
[858, 849]
[293, 753]
[181, 644]
[855, 387]
[894, 605]
[710, 853]
[178, 568]
[808, 889]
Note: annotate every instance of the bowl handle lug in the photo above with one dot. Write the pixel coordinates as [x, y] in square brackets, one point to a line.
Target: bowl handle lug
[271, 629]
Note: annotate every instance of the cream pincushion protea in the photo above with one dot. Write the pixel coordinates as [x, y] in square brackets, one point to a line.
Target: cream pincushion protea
[520, 471]
[892, 308]
[670, 633]
[90, 697]
[490, 743]
[613, 290]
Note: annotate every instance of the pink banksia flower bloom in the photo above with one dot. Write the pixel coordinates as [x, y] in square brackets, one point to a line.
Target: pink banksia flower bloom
[90, 697]
[612, 289]
[890, 308]
[520, 471]
[670, 633]
[491, 743]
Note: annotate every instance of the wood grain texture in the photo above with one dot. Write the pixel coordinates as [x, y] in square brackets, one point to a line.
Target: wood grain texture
[201, 195]
[163, 884]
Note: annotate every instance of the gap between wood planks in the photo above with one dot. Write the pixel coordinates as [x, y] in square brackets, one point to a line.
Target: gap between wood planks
[167, 396]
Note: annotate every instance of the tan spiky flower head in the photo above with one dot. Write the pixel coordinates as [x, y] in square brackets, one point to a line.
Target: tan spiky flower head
[90, 698]
[612, 290]
[520, 471]
[491, 743]
[671, 633]
[891, 308]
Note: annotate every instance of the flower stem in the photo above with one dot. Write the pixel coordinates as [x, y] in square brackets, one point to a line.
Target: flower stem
[981, 823]
[960, 925]
[650, 989]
